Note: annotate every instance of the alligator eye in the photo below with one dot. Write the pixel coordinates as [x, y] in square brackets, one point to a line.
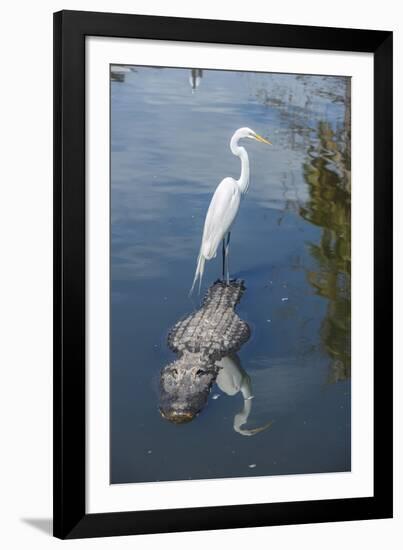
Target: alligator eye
[200, 372]
[174, 372]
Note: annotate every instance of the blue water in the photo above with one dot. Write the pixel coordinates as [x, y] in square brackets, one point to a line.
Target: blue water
[290, 244]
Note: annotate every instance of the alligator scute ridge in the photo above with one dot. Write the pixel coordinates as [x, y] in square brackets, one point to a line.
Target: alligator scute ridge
[214, 330]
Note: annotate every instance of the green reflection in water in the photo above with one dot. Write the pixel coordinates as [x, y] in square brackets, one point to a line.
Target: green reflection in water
[327, 174]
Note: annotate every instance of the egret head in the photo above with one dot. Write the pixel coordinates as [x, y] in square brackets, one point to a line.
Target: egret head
[250, 134]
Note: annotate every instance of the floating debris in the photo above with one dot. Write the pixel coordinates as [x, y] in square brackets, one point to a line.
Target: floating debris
[284, 299]
[215, 396]
[149, 451]
[252, 466]
[269, 320]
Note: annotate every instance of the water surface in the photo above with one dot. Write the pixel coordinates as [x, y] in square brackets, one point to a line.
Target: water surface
[170, 132]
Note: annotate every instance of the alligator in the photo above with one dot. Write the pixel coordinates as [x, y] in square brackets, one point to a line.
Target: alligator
[201, 340]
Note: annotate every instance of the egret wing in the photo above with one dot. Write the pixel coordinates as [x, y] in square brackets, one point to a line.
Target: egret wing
[222, 211]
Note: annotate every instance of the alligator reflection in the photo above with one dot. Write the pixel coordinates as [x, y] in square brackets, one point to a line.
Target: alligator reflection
[201, 340]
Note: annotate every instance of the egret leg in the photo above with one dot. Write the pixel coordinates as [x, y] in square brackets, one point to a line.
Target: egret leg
[227, 255]
[223, 259]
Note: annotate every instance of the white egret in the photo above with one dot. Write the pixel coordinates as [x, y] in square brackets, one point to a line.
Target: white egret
[224, 207]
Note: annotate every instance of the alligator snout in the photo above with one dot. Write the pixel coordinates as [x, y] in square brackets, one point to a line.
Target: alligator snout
[177, 417]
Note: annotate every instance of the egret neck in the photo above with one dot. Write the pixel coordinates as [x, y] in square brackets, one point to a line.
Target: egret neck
[243, 181]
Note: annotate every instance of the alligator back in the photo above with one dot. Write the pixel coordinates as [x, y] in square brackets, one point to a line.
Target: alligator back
[215, 329]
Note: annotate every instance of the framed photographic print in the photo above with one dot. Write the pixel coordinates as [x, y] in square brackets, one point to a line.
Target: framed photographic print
[223, 274]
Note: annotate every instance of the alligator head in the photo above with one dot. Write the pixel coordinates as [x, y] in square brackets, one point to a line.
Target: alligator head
[184, 387]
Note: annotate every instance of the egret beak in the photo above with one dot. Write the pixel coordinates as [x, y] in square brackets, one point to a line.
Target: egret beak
[262, 139]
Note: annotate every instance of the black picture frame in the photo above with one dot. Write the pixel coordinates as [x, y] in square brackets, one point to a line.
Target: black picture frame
[70, 517]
